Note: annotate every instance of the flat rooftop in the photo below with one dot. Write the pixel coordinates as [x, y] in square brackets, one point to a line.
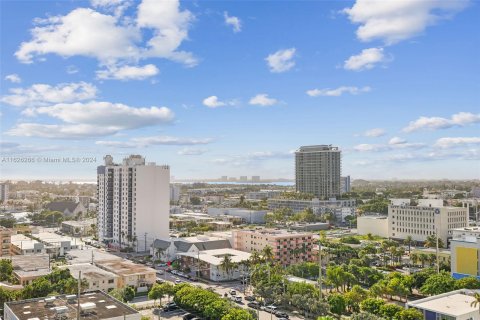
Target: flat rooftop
[280, 233]
[23, 242]
[215, 257]
[455, 304]
[89, 271]
[54, 238]
[77, 256]
[75, 223]
[125, 267]
[30, 262]
[105, 307]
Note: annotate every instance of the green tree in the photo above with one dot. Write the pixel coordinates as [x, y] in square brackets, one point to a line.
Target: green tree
[438, 283]
[476, 302]
[227, 265]
[337, 303]
[6, 269]
[431, 242]
[217, 309]
[467, 283]
[195, 201]
[410, 314]
[128, 294]
[237, 314]
[408, 241]
[390, 310]
[156, 293]
[365, 316]
[372, 305]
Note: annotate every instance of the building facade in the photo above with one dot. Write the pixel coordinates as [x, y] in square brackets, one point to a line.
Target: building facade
[287, 247]
[318, 170]
[465, 250]
[374, 225]
[5, 241]
[419, 222]
[317, 205]
[4, 192]
[133, 202]
[345, 184]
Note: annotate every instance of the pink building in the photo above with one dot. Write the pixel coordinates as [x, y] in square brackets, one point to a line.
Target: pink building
[288, 247]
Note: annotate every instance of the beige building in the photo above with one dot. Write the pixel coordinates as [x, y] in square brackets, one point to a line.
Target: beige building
[374, 225]
[419, 222]
[27, 268]
[97, 278]
[288, 247]
[5, 240]
[130, 274]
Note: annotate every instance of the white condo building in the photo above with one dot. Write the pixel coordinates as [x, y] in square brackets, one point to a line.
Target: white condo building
[133, 202]
[419, 222]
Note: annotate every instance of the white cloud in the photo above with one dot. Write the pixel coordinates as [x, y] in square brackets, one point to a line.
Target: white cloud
[14, 78]
[337, 92]
[71, 69]
[128, 72]
[233, 21]
[367, 59]
[460, 119]
[281, 61]
[154, 140]
[191, 152]
[365, 147]
[214, 102]
[394, 21]
[376, 132]
[263, 100]
[396, 141]
[457, 141]
[44, 94]
[11, 148]
[113, 39]
[54, 131]
[107, 114]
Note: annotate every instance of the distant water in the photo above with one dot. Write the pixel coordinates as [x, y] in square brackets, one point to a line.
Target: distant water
[276, 183]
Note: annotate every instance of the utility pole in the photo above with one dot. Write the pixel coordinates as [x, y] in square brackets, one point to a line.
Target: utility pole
[78, 293]
[320, 269]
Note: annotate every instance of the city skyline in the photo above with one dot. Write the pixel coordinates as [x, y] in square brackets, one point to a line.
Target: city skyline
[220, 88]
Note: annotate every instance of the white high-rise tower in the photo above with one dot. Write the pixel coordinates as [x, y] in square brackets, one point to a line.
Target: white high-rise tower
[133, 202]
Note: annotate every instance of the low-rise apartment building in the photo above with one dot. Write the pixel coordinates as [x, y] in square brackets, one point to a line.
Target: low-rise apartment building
[130, 274]
[419, 222]
[288, 247]
[27, 268]
[5, 240]
[78, 228]
[96, 278]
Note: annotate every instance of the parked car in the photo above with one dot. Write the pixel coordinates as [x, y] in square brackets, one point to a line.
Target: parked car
[271, 309]
[170, 307]
[281, 315]
[233, 292]
[250, 298]
[178, 281]
[189, 316]
[238, 299]
[253, 305]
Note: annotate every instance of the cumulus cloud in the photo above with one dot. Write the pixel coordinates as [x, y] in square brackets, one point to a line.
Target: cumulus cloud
[128, 72]
[456, 141]
[154, 140]
[376, 132]
[394, 21]
[460, 119]
[113, 39]
[233, 21]
[281, 61]
[337, 92]
[60, 131]
[214, 102]
[191, 152]
[396, 141]
[393, 144]
[263, 100]
[367, 59]
[14, 78]
[44, 94]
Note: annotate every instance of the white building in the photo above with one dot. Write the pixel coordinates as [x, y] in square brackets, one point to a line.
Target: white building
[249, 216]
[96, 278]
[420, 222]
[133, 202]
[374, 225]
[345, 184]
[3, 192]
[437, 203]
[262, 194]
[317, 205]
[399, 202]
[175, 192]
[453, 305]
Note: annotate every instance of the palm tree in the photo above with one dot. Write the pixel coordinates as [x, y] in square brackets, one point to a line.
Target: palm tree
[227, 265]
[268, 255]
[414, 258]
[423, 257]
[408, 241]
[255, 257]
[476, 302]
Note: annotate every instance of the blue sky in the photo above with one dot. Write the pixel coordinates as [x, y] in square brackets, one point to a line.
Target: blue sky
[219, 88]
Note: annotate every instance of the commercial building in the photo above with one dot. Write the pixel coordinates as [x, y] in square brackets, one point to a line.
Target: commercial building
[5, 240]
[208, 264]
[465, 248]
[93, 305]
[318, 170]
[374, 225]
[133, 202]
[95, 277]
[287, 247]
[248, 216]
[453, 305]
[318, 206]
[130, 274]
[44, 242]
[345, 184]
[263, 194]
[78, 228]
[4, 192]
[168, 249]
[21, 244]
[419, 222]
